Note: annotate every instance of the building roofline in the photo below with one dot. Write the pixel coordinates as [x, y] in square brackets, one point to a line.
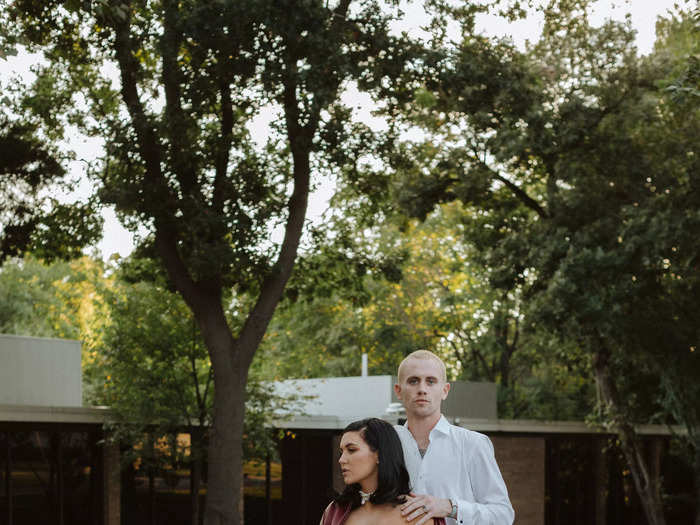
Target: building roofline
[100, 415]
[505, 426]
[59, 339]
[49, 414]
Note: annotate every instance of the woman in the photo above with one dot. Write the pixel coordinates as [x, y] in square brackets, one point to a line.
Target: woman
[375, 476]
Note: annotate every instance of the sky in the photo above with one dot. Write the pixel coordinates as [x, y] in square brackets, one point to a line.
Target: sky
[644, 13]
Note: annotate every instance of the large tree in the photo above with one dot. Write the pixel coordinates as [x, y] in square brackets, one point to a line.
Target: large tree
[172, 88]
[586, 178]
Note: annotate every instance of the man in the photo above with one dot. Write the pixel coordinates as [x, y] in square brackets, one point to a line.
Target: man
[453, 470]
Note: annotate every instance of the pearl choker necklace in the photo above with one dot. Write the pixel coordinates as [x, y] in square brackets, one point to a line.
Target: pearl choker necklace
[364, 497]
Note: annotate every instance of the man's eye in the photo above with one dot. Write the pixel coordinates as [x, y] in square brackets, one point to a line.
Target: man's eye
[431, 381]
[412, 381]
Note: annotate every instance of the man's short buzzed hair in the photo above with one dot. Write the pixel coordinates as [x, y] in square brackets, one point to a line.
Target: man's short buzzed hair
[424, 354]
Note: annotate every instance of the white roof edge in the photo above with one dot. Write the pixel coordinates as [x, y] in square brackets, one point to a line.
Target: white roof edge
[292, 379]
[50, 414]
[509, 426]
[556, 427]
[61, 339]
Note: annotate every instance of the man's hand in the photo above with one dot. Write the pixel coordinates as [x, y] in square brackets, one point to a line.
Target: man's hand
[425, 507]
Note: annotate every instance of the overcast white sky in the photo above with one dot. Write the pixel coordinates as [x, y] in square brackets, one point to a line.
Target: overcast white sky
[643, 12]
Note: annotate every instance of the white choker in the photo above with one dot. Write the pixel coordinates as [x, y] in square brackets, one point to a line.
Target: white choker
[364, 497]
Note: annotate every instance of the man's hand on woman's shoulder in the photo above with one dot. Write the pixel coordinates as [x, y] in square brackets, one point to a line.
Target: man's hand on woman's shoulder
[419, 509]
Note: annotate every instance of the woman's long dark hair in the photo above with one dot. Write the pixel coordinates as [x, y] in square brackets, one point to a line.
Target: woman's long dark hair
[392, 480]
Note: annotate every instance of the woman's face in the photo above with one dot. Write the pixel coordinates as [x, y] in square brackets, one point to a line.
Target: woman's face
[358, 463]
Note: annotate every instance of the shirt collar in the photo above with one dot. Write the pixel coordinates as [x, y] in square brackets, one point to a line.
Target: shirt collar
[442, 426]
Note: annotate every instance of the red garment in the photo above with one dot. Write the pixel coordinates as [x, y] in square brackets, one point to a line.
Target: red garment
[336, 515]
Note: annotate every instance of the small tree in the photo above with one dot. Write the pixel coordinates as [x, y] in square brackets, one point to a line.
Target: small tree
[153, 371]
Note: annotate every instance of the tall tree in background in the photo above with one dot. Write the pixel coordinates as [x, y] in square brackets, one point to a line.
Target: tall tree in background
[586, 177]
[180, 160]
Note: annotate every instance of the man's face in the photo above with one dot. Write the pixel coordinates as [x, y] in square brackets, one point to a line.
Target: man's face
[421, 387]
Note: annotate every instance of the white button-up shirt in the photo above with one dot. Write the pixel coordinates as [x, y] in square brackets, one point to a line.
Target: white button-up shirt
[460, 465]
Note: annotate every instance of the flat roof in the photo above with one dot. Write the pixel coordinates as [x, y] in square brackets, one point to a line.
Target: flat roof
[505, 426]
[99, 415]
[62, 339]
[49, 414]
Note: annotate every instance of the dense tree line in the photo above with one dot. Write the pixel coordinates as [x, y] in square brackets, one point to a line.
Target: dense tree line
[541, 232]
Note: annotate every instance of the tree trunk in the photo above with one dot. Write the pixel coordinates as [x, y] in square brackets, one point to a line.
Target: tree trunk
[225, 456]
[647, 488]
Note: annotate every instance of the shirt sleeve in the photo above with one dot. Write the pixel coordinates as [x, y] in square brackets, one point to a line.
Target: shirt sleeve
[491, 505]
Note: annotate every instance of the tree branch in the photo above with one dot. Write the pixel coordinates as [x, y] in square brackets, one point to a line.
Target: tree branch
[522, 196]
[222, 155]
[177, 121]
[151, 152]
[149, 147]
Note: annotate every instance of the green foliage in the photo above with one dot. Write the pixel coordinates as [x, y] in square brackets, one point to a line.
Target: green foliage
[29, 304]
[180, 160]
[29, 218]
[586, 196]
[51, 300]
[152, 369]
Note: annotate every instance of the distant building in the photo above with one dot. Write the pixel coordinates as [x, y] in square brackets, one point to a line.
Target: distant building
[53, 467]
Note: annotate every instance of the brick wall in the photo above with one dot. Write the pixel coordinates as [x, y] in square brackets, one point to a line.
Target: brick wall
[522, 463]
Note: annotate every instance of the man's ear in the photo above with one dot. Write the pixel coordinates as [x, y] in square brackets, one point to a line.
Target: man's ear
[445, 391]
[397, 390]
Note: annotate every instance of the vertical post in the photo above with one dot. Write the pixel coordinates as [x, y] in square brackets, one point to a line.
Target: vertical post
[96, 479]
[59, 475]
[151, 497]
[50, 445]
[304, 476]
[364, 365]
[111, 484]
[656, 447]
[8, 478]
[195, 472]
[268, 489]
[600, 480]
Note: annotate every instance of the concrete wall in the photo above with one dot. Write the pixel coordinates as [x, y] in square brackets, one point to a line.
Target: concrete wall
[471, 400]
[40, 372]
[358, 397]
[350, 397]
